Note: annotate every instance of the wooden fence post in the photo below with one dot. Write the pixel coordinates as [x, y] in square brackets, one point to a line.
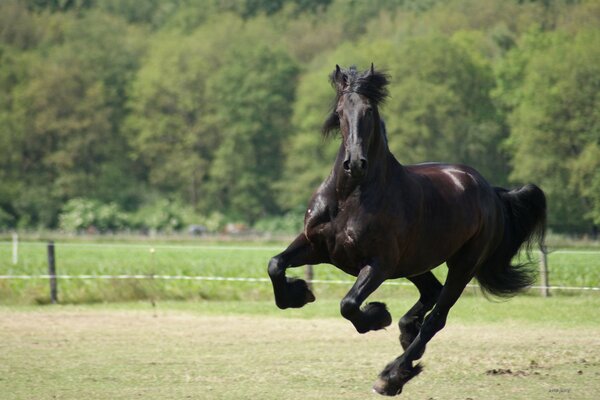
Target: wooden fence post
[15, 248]
[52, 273]
[544, 273]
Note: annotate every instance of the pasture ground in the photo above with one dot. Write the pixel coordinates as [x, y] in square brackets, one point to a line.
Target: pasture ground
[527, 348]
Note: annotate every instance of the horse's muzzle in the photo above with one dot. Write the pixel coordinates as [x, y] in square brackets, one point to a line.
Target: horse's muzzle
[356, 168]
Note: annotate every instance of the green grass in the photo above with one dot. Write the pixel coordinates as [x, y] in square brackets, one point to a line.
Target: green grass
[209, 259]
[251, 350]
[557, 311]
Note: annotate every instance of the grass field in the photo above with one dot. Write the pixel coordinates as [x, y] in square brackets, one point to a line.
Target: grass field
[241, 260]
[229, 341]
[527, 348]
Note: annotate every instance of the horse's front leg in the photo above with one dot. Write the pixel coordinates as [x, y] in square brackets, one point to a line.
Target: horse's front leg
[374, 315]
[292, 292]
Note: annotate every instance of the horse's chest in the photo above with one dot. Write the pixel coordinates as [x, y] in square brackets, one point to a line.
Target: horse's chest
[348, 237]
[349, 245]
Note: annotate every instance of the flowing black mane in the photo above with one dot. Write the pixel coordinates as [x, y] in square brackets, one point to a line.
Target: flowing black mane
[370, 83]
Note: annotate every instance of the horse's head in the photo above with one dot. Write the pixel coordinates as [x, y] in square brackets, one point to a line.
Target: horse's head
[356, 115]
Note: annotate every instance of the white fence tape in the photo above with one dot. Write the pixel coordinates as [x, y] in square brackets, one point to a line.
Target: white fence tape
[157, 246]
[245, 279]
[220, 247]
[236, 279]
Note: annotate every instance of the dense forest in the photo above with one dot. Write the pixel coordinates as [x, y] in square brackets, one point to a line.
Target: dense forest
[156, 114]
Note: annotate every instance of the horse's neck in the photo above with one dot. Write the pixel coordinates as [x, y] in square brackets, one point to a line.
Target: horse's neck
[379, 161]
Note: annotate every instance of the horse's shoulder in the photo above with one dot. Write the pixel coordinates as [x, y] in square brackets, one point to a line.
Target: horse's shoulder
[321, 207]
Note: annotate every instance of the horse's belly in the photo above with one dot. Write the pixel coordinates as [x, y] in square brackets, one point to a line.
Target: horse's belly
[418, 259]
[408, 268]
[343, 262]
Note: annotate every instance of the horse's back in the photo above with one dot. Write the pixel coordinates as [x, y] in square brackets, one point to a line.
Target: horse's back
[451, 176]
[456, 204]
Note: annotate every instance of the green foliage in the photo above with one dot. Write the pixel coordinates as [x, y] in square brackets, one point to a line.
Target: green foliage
[252, 96]
[80, 214]
[167, 127]
[290, 223]
[18, 28]
[6, 220]
[134, 11]
[218, 105]
[162, 215]
[58, 5]
[440, 107]
[64, 118]
[213, 221]
[555, 120]
[585, 180]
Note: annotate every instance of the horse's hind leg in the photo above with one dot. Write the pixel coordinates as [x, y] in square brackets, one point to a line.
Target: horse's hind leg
[429, 291]
[374, 315]
[292, 292]
[398, 372]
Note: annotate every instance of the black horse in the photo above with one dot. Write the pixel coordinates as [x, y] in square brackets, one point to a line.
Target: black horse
[376, 219]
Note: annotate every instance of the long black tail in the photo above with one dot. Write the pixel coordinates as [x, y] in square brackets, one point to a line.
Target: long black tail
[525, 224]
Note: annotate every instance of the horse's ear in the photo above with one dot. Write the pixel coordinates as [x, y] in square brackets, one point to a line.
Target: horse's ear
[372, 70]
[339, 79]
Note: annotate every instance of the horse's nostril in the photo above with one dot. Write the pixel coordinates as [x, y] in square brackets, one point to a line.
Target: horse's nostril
[363, 164]
[347, 165]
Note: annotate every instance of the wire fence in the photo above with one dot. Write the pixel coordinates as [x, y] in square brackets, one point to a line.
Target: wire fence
[251, 280]
[53, 276]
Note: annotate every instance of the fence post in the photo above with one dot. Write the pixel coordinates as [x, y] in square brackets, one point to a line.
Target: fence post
[309, 276]
[15, 248]
[544, 273]
[52, 273]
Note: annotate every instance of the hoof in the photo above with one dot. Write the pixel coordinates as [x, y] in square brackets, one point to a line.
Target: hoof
[381, 387]
[297, 294]
[375, 317]
[391, 382]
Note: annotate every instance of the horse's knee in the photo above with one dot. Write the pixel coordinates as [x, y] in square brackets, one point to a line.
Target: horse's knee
[406, 321]
[274, 268]
[348, 307]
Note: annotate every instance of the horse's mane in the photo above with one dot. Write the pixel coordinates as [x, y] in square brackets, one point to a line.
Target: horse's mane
[370, 83]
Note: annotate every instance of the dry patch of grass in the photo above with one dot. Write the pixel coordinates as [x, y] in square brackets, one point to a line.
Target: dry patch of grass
[101, 354]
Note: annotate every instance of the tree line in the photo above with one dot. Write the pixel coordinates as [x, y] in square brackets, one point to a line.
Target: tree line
[120, 113]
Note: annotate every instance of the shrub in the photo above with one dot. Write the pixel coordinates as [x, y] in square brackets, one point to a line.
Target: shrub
[288, 223]
[82, 214]
[165, 216]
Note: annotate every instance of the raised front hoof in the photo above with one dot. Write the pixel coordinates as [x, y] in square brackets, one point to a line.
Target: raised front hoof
[391, 382]
[296, 294]
[374, 316]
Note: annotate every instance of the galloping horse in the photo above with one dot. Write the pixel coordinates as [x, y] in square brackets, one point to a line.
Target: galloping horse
[376, 219]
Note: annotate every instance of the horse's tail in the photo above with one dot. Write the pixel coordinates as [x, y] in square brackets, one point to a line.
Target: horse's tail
[524, 224]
